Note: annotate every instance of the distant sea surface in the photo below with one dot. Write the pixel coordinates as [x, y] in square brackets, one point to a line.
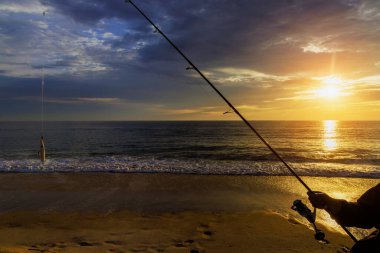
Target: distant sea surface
[314, 148]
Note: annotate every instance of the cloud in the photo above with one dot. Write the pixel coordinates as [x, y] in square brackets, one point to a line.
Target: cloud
[22, 6]
[369, 10]
[108, 35]
[210, 110]
[220, 112]
[74, 100]
[47, 44]
[85, 100]
[237, 75]
[87, 11]
[257, 51]
[261, 29]
[318, 48]
[368, 80]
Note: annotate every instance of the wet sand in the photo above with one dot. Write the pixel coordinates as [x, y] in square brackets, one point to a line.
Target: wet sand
[110, 212]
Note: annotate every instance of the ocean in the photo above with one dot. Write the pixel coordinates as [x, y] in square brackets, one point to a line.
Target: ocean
[313, 148]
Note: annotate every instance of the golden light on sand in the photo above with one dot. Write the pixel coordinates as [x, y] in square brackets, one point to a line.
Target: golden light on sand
[329, 135]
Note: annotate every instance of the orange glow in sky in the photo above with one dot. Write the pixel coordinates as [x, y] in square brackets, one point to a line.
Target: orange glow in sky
[331, 88]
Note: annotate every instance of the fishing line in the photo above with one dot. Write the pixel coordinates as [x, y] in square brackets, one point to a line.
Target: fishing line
[42, 100]
[42, 91]
[230, 105]
[42, 151]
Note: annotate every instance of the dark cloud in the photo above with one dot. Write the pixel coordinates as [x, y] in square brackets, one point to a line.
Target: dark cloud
[215, 32]
[97, 48]
[89, 12]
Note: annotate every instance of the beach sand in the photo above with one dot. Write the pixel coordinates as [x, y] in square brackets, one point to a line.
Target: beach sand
[121, 212]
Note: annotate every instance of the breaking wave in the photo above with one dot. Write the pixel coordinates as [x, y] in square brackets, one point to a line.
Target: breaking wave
[130, 164]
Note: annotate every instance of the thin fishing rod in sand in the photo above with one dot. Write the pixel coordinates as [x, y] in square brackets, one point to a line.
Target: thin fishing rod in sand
[230, 105]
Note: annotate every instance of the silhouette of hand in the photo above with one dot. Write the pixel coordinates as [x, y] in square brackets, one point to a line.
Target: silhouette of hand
[319, 199]
[323, 201]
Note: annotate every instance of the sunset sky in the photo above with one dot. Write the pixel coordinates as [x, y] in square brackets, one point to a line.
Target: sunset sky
[274, 59]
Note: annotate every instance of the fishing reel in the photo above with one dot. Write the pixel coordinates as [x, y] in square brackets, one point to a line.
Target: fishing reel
[304, 211]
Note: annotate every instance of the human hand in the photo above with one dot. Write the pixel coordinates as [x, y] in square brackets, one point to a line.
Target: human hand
[323, 201]
[319, 199]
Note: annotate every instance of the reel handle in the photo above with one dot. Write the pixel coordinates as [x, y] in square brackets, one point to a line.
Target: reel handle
[304, 211]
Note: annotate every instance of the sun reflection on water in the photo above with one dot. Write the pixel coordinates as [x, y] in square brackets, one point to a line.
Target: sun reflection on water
[329, 135]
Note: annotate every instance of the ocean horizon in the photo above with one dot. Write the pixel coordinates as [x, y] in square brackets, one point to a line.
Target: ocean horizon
[312, 148]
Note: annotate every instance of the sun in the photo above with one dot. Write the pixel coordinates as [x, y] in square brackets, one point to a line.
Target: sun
[328, 92]
[332, 80]
[331, 87]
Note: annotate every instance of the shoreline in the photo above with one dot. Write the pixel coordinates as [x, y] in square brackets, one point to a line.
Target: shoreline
[227, 192]
[63, 172]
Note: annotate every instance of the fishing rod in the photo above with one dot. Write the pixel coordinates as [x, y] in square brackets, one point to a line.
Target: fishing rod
[158, 30]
